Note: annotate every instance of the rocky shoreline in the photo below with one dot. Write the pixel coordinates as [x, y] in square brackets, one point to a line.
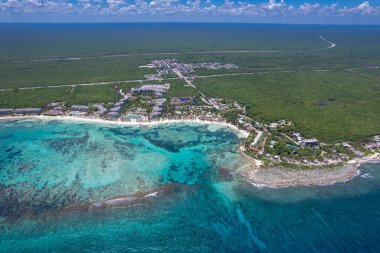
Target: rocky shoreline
[277, 176]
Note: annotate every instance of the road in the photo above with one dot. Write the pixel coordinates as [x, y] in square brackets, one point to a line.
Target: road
[257, 138]
[78, 58]
[332, 44]
[179, 74]
[148, 54]
[186, 79]
[84, 84]
[188, 82]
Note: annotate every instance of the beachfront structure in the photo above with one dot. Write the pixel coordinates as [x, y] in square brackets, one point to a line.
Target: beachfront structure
[79, 108]
[114, 114]
[115, 109]
[53, 113]
[157, 109]
[28, 111]
[6, 111]
[101, 109]
[309, 143]
[155, 115]
[54, 104]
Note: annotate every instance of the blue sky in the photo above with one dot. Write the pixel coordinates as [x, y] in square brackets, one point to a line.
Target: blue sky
[257, 11]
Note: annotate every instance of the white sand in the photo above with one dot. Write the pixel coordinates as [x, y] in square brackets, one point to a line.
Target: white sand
[242, 133]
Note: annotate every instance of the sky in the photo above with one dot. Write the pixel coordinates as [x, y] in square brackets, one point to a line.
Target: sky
[242, 11]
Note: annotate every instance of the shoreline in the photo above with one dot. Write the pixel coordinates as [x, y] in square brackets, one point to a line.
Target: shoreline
[254, 172]
[278, 177]
[240, 132]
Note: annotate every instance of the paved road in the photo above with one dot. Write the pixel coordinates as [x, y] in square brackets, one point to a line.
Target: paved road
[185, 78]
[149, 54]
[257, 138]
[179, 74]
[191, 84]
[86, 84]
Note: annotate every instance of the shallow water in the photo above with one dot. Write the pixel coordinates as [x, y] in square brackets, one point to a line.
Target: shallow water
[74, 187]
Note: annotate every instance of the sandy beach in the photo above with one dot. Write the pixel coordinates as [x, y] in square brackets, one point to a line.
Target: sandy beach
[242, 133]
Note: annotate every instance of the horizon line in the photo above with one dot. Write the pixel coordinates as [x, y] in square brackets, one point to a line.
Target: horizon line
[191, 22]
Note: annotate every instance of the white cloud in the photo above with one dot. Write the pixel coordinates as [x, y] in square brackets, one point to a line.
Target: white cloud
[201, 8]
[309, 8]
[273, 4]
[364, 9]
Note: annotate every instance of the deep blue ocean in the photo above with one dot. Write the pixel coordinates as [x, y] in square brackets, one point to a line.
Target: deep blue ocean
[67, 186]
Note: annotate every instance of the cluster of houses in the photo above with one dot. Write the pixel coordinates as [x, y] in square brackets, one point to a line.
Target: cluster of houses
[168, 66]
[353, 150]
[218, 103]
[158, 107]
[158, 91]
[278, 124]
[300, 142]
[374, 144]
[270, 139]
[214, 65]
[55, 109]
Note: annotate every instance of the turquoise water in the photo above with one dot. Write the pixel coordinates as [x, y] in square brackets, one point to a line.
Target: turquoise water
[80, 187]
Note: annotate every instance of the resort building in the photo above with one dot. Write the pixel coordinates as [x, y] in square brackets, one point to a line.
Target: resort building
[113, 115]
[115, 109]
[101, 109]
[6, 111]
[159, 95]
[22, 111]
[79, 108]
[53, 113]
[309, 143]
